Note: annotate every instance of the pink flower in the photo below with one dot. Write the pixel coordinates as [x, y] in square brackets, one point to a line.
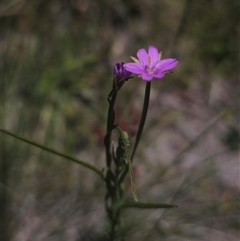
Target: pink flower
[149, 65]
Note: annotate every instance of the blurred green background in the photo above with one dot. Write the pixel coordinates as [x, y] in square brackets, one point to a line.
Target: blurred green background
[56, 71]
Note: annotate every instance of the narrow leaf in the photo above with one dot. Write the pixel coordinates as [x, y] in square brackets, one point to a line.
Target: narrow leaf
[51, 150]
[125, 140]
[132, 181]
[148, 205]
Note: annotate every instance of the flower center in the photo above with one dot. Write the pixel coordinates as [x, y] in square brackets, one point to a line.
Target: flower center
[149, 68]
[149, 59]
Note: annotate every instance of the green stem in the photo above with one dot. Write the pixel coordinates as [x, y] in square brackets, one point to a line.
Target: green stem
[66, 156]
[141, 125]
[143, 118]
[110, 125]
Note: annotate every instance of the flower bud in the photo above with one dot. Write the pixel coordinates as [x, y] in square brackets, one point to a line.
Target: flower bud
[121, 75]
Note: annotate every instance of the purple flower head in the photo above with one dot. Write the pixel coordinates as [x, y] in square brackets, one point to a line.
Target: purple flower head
[149, 65]
[121, 74]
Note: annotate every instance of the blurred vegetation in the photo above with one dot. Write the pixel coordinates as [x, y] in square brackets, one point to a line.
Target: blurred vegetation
[56, 71]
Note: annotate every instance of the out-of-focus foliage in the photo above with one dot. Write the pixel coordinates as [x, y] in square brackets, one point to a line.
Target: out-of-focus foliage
[56, 71]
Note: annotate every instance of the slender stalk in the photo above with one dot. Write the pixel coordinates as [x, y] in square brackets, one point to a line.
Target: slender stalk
[141, 125]
[111, 197]
[110, 126]
[66, 156]
[143, 117]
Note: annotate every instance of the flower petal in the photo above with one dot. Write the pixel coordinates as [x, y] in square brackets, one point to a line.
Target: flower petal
[133, 68]
[167, 64]
[146, 76]
[143, 57]
[153, 52]
[158, 75]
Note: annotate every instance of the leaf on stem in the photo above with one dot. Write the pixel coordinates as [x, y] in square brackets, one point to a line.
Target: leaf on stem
[125, 141]
[148, 205]
[53, 151]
